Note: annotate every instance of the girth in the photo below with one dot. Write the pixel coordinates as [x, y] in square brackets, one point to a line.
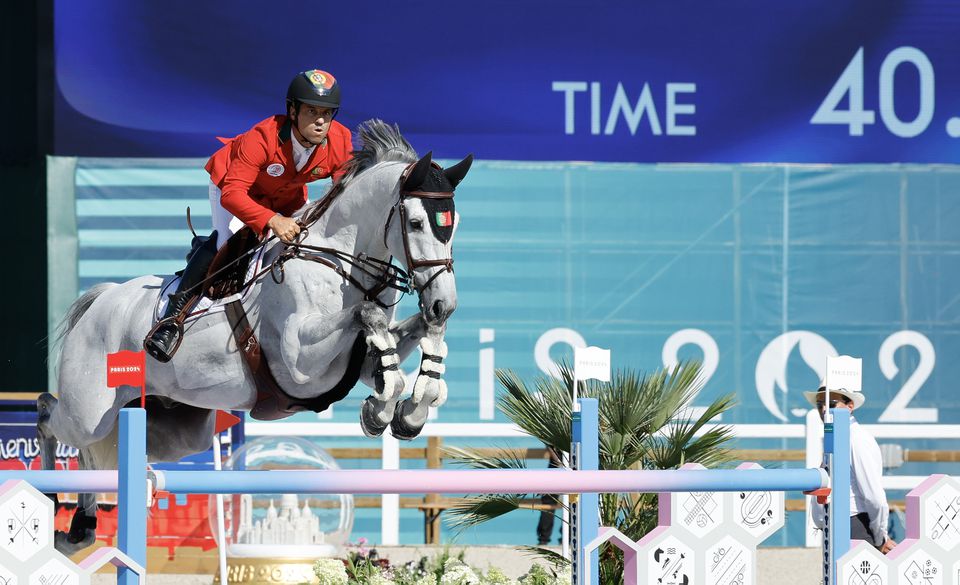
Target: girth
[273, 403]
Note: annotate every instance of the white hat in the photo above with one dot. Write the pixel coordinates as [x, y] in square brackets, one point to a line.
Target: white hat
[856, 398]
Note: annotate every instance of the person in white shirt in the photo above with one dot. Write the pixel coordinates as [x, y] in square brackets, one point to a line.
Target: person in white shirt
[869, 511]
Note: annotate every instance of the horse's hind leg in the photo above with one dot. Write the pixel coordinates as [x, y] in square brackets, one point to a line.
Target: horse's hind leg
[83, 527]
[46, 403]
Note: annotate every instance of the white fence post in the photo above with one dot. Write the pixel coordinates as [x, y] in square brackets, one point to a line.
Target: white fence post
[813, 433]
[390, 503]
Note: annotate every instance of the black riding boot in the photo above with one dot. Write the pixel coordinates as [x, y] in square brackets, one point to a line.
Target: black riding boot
[164, 339]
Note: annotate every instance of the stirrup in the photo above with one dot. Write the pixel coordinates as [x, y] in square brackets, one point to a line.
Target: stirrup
[174, 320]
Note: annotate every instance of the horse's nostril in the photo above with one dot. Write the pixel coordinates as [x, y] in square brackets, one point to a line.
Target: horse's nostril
[437, 308]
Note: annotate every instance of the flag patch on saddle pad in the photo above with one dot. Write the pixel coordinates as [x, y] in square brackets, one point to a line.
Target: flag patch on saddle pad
[444, 219]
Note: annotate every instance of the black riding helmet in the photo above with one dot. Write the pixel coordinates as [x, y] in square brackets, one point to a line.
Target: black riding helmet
[314, 87]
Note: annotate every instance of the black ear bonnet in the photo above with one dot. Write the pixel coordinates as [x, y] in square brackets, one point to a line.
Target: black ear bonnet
[441, 212]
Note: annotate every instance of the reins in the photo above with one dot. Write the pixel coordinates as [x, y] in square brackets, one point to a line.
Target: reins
[385, 274]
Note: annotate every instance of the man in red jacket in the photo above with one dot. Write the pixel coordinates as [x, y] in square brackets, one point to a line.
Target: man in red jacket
[259, 179]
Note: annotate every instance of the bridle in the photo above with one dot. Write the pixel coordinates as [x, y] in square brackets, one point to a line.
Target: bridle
[384, 274]
[413, 263]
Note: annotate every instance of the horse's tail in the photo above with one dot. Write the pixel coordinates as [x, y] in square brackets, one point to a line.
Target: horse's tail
[74, 313]
[78, 308]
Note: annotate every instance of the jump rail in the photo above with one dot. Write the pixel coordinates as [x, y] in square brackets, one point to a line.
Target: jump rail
[421, 481]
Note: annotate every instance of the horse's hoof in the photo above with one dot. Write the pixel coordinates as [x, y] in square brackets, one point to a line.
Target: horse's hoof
[405, 424]
[369, 421]
[65, 545]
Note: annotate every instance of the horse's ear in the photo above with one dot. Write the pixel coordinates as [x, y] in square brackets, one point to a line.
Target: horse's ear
[419, 173]
[457, 172]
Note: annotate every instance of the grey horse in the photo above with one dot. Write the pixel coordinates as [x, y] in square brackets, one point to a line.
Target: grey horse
[335, 298]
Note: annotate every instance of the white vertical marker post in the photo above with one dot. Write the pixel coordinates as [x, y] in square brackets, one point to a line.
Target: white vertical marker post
[843, 372]
[589, 363]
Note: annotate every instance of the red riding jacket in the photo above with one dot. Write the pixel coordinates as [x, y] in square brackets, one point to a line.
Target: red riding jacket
[257, 176]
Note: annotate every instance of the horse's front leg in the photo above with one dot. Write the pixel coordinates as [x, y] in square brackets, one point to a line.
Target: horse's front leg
[430, 388]
[381, 371]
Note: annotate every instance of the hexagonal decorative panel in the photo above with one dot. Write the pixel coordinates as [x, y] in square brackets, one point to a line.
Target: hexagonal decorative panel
[7, 576]
[955, 572]
[698, 512]
[939, 509]
[915, 565]
[729, 562]
[57, 570]
[629, 548]
[27, 554]
[759, 514]
[26, 520]
[666, 560]
[864, 565]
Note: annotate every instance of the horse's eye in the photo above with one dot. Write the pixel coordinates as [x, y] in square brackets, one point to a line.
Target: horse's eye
[416, 224]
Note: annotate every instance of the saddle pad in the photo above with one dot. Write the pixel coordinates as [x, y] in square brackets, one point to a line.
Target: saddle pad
[206, 305]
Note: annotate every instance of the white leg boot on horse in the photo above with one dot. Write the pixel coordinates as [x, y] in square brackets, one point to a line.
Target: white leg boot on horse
[387, 380]
[429, 390]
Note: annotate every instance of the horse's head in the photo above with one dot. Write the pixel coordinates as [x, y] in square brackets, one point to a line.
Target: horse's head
[420, 232]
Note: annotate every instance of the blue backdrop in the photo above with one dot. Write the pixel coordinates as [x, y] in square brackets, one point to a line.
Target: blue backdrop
[686, 81]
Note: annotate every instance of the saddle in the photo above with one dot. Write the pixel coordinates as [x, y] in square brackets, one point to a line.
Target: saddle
[228, 271]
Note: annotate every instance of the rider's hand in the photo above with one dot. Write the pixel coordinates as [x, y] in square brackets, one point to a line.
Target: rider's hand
[285, 228]
[888, 545]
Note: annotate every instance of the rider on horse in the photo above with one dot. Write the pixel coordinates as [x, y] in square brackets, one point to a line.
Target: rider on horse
[259, 179]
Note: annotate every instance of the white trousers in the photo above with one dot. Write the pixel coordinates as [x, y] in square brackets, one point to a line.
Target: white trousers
[223, 221]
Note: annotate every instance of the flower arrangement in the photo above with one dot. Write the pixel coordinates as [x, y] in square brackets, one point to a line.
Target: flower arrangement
[364, 567]
[330, 572]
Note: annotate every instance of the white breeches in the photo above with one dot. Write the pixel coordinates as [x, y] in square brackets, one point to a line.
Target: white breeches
[223, 221]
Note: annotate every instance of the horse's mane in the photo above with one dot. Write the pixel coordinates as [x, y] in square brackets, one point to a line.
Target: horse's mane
[381, 142]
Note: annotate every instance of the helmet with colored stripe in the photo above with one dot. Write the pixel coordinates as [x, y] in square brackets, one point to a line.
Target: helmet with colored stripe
[314, 87]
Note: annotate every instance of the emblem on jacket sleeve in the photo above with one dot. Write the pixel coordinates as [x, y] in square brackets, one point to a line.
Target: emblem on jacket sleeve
[275, 170]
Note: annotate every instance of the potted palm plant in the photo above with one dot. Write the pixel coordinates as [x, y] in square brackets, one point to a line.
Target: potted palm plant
[644, 424]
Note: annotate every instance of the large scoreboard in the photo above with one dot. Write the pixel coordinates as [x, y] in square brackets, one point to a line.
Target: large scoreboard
[617, 80]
